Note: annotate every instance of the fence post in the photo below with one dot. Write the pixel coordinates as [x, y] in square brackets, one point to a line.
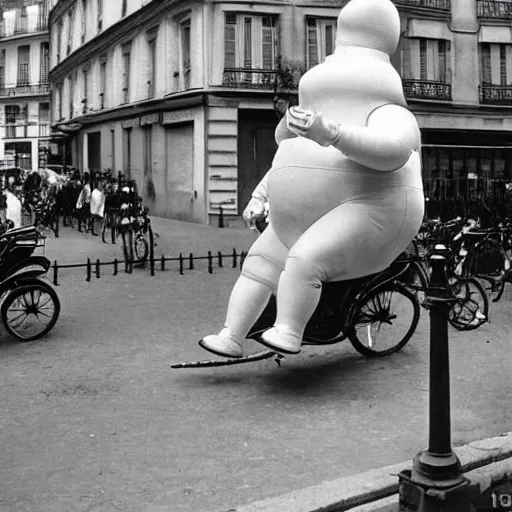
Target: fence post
[55, 273]
[190, 261]
[97, 269]
[162, 263]
[234, 258]
[115, 266]
[436, 482]
[88, 271]
[219, 257]
[210, 263]
[151, 251]
[181, 263]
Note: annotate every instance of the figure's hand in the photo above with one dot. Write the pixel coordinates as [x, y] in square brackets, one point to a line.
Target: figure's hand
[312, 126]
[254, 209]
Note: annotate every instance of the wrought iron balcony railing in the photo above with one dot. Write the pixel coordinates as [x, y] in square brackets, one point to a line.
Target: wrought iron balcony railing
[496, 94]
[25, 90]
[427, 89]
[438, 5]
[23, 28]
[245, 78]
[489, 9]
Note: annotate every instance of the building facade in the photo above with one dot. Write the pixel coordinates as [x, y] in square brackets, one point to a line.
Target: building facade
[179, 95]
[24, 88]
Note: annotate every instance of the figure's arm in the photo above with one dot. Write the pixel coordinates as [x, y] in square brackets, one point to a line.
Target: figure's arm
[282, 132]
[261, 190]
[385, 144]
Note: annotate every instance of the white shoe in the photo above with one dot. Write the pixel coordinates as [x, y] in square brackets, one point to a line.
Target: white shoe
[224, 344]
[281, 340]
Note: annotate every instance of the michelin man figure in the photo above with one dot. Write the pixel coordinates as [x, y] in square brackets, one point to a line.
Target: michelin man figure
[345, 190]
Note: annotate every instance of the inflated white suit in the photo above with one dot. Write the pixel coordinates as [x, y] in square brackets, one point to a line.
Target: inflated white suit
[345, 188]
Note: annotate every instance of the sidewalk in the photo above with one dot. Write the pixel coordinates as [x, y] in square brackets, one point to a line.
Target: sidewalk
[484, 463]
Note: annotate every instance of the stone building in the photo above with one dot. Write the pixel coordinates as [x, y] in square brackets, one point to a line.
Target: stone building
[178, 95]
[24, 87]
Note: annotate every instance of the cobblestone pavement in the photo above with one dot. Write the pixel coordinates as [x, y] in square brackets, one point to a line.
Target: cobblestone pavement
[94, 420]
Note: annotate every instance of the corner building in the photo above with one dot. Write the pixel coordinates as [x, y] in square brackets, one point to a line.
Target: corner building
[178, 94]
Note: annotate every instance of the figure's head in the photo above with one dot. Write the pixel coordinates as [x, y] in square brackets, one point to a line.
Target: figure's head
[370, 24]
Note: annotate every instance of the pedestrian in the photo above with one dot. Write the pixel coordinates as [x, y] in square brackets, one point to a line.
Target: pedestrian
[97, 205]
[83, 204]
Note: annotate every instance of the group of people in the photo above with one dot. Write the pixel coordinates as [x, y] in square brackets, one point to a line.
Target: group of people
[46, 197]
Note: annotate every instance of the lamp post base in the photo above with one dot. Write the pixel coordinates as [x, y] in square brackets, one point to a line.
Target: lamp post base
[435, 484]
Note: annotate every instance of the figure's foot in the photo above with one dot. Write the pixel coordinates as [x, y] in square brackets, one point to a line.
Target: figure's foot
[224, 344]
[281, 340]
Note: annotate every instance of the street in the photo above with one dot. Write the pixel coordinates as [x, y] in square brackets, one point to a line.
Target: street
[94, 420]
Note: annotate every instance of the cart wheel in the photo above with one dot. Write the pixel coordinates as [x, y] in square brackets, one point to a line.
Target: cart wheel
[30, 311]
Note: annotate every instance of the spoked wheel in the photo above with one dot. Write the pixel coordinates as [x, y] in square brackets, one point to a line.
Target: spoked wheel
[141, 248]
[416, 279]
[487, 259]
[472, 307]
[493, 287]
[383, 321]
[30, 311]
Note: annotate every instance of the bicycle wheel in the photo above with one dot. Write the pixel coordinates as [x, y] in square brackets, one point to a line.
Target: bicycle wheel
[472, 307]
[493, 287]
[141, 248]
[416, 280]
[30, 311]
[383, 321]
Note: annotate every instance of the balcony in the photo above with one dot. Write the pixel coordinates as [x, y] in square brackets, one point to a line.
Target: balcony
[438, 5]
[245, 78]
[427, 90]
[489, 9]
[496, 94]
[25, 90]
[16, 131]
[22, 28]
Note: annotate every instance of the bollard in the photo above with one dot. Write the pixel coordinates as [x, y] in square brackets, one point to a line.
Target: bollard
[210, 263]
[436, 482]
[151, 251]
[234, 258]
[221, 218]
[190, 262]
[55, 273]
[97, 269]
[181, 263]
[219, 258]
[115, 267]
[89, 271]
[162, 263]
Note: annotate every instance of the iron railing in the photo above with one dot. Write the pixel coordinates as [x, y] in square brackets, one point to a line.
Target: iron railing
[496, 94]
[438, 5]
[22, 27]
[16, 131]
[427, 89]
[491, 9]
[246, 78]
[25, 90]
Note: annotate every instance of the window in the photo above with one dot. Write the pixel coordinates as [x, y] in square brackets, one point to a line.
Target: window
[250, 42]
[71, 96]
[103, 81]
[496, 64]
[59, 39]
[86, 89]
[23, 65]
[2, 68]
[44, 61]
[185, 54]
[59, 102]
[126, 73]
[44, 119]
[127, 149]
[70, 30]
[83, 27]
[100, 15]
[21, 23]
[151, 39]
[426, 59]
[12, 114]
[321, 38]
[123, 8]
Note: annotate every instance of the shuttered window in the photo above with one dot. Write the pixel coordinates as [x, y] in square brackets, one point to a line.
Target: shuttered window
[496, 64]
[23, 65]
[321, 39]
[45, 62]
[250, 41]
[426, 59]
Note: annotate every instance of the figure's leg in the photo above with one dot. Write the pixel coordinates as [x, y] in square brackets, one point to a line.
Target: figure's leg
[353, 240]
[249, 297]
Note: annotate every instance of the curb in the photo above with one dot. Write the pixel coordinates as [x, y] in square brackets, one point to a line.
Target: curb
[483, 462]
